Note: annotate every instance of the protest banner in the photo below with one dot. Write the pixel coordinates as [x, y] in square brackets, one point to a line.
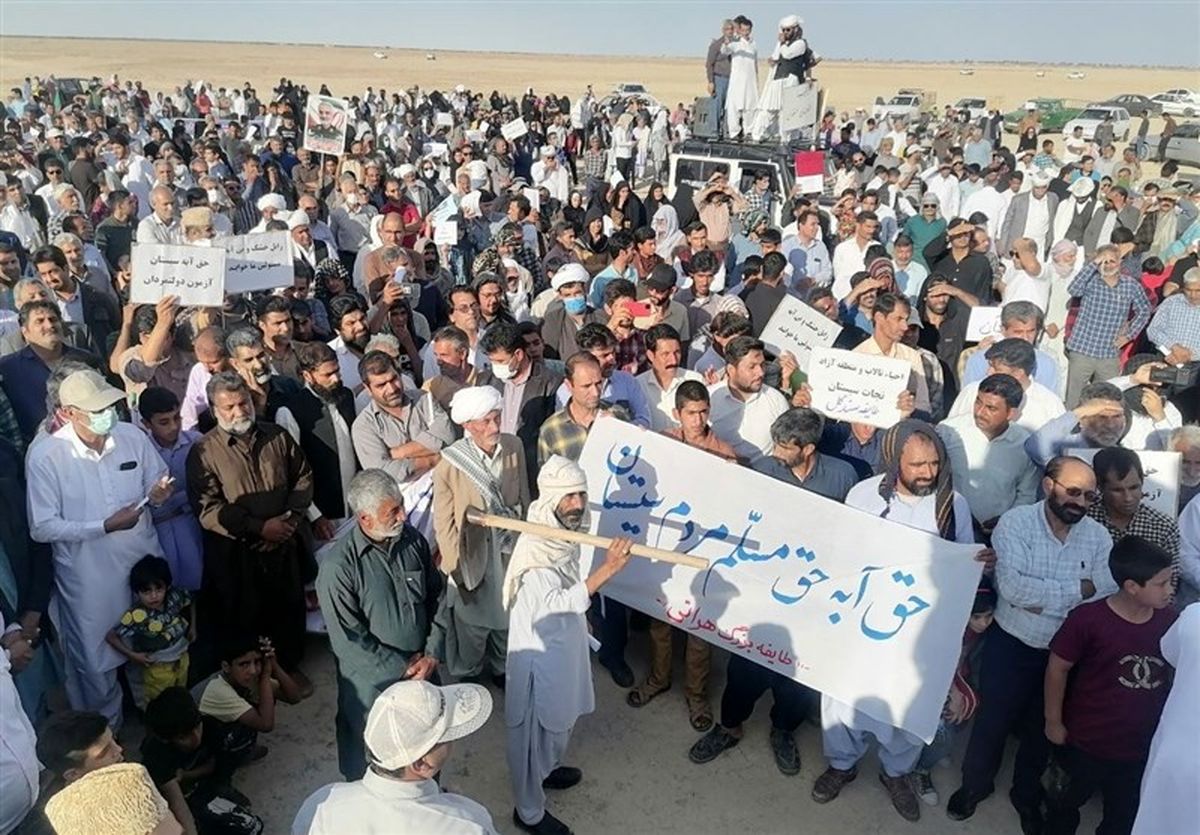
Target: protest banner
[863, 388]
[258, 262]
[195, 274]
[984, 322]
[446, 233]
[796, 327]
[1160, 490]
[325, 122]
[514, 129]
[874, 620]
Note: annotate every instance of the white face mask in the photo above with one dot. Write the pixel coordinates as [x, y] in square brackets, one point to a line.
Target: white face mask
[352, 198]
[503, 373]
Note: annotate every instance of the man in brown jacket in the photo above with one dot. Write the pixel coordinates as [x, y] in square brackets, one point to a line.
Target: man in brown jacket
[486, 469]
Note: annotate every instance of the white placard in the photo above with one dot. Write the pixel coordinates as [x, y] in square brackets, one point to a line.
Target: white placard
[258, 262]
[445, 120]
[534, 196]
[514, 129]
[325, 123]
[796, 327]
[444, 211]
[446, 232]
[1161, 487]
[983, 323]
[874, 620]
[862, 388]
[475, 137]
[196, 274]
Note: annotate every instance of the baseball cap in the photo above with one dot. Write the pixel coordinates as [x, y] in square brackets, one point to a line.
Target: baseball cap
[87, 390]
[411, 718]
[662, 277]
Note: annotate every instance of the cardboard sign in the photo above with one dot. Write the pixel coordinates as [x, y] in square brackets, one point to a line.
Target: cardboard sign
[446, 232]
[514, 129]
[325, 123]
[796, 327]
[861, 388]
[196, 274]
[445, 120]
[534, 196]
[1160, 490]
[983, 323]
[258, 262]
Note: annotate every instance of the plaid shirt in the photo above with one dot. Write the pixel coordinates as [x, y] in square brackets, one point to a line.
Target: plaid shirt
[594, 163]
[631, 353]
[1104, 312]
[1148, 523]
[1034, 570]
[561, 435]
[1176, 322]
[756, 202]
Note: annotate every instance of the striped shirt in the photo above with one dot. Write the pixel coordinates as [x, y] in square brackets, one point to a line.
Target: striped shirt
[1104, 311]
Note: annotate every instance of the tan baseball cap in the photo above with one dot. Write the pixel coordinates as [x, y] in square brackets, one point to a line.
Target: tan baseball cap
[89, 391]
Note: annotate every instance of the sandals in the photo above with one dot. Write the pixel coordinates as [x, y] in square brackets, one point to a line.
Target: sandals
[701, 719]
[642, 696]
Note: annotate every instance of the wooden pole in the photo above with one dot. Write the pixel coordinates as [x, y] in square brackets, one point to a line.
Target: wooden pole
[477, 517]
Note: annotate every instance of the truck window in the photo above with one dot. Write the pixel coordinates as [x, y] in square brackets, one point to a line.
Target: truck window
[749, 170]
[695, 172]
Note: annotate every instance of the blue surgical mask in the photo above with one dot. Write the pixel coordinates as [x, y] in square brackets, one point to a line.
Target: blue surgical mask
[101, 423]
[575, 305]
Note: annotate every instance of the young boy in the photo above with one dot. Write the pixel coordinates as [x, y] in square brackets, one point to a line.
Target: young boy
[174, 520]
[242, 696]
[156, 632]
[182, 755]
[963, 699]
[1104, 719]
[70, 744]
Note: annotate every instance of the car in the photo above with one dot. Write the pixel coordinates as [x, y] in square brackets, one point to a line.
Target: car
[907, 104]
[1184, 144]
[1094, 115]
[629, 88]
[1055, 113]
[977, 108]
[1135, 103]
[1178, 102]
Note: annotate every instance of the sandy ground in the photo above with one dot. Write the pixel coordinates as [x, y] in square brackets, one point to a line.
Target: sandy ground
[162, 65]
[637, 777]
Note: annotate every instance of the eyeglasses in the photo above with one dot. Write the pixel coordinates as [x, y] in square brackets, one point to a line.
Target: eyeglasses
[1092, 496]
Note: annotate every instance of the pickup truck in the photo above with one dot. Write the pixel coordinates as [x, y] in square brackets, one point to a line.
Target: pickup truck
[907, 104]
[975, 108]
[1055, 113]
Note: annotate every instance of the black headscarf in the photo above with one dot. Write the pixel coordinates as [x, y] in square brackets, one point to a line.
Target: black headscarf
[889, 455]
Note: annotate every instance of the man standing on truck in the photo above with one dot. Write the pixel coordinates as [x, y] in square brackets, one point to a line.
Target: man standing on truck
[716, 67]
[790, 62]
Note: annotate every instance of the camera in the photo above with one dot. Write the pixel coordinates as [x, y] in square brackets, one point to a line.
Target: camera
[1176, 377]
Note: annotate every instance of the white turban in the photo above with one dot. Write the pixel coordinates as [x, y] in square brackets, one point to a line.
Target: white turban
[405, 170]
[1040, 179]
[474, 403]
[272, 201]
[561, 476]
[297, 219]
[790, 22]
[570, 274]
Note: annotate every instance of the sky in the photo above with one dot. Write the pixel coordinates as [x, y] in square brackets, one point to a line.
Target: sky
[1141, 32]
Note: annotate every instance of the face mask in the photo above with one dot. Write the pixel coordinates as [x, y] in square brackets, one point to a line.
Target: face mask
[101, 423]
[428, 172]
[575, 305]
[503, 373]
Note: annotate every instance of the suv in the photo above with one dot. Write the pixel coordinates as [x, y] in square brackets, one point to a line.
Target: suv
[908, 104]
[974, 108]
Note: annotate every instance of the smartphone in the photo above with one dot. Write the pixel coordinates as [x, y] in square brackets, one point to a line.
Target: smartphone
[637, 309]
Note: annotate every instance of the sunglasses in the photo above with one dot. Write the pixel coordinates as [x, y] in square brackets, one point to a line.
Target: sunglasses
[1076, 492]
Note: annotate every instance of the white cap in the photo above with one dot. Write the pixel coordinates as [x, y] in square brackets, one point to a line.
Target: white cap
[405, 170]
[411, 718]
[53, 133]
[790, 22]
[571, 273]
[913, 149]
[297, 219]
[1082, 188]
[547, 151]
[272, 201]
[1040, 178]
[87, 390]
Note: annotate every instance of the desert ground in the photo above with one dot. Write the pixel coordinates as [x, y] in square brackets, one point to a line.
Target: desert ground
[163, 65]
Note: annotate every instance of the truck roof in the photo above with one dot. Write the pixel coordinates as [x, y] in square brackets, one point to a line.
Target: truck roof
[757, 152]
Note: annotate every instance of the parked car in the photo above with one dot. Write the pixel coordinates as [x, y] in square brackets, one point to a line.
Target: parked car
[908, 104]
[1094, 115]
[1178, 102]
[1055, 113]
[977, 108]
[1184, 145]
[697, 160]
[1135, 103]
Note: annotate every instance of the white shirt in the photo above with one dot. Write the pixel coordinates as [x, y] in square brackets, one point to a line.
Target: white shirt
[993, 475]
[152, 230]
[1023, 287]
[347, 364]
[556, 180]
[992, 203]
[918, 512]
[1189, 544]
[746, 425]
[347, 462]
[377, 805]
[1039, 407]
[662, 401]
[1037, 220]
[18, 757]
[848, 259]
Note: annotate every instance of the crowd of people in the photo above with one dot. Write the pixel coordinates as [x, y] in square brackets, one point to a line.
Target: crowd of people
[186, 488]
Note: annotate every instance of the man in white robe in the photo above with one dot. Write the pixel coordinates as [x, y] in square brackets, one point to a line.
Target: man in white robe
[787, 70]
[742, 98]
[549, 674]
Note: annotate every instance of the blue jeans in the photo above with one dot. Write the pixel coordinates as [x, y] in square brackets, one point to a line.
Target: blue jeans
[720, 91]
[939, 748]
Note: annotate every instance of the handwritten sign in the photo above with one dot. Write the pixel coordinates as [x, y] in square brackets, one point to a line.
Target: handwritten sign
[196, 274]
[534, 196]
[796, 327]
[444, 211]
[514, 129]
[1160, 490]
[862, 388]
[446, 233]
[258, 262]
[444, 120]
[325, 121]
[875, 621]
[984, 322]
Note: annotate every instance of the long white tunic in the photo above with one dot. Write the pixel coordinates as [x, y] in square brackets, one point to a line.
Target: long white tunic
[72, 490]
[18, 759]
[377, 805]
[742, 97]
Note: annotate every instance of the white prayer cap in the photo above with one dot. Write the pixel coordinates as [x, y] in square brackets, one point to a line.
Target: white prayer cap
[272, 201]
[473, 403]
[510, 263]
[790, 22]
[1083, 188]
[547, 151]
[572, 273]
[116, 799]
[53, 133]
[297, 219]
[1040, 178]
[406, 170]
[411, 718]
[562, 476]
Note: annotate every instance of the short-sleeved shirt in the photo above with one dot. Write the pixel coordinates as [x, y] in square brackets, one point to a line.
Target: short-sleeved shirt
[1119, 683]
[164, 760]
[224, 702]
[149, 630]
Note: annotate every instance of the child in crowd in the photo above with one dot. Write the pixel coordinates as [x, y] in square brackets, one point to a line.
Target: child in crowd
[242, 696]
[1105, 716]
[174, 520]
[962, 700]
[70, 744]
[155, 633]
[181, 751]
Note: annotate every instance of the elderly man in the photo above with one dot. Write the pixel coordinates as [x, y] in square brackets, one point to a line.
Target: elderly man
[1186, 441]
[549, 673]
[451, 351]
[95, 275]
[306, 250]
[87, 484]
[485, 469]
[251, 487]
[1015, 357]
[547, 173]
[248, 358]
[1030, 214]
[1050, 557]
[379, 592]
[1018, 320]
[1100, 420]
[161, 225]
[1175, 327]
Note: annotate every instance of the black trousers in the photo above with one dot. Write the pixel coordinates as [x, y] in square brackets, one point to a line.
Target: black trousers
[1119, 783]
[625, 166]
[1011, 676]
[745, 683]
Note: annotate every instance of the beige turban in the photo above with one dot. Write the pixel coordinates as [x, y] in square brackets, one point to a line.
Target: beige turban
[196, 217]
[116, 800]
[474, 403]
[272, 201]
